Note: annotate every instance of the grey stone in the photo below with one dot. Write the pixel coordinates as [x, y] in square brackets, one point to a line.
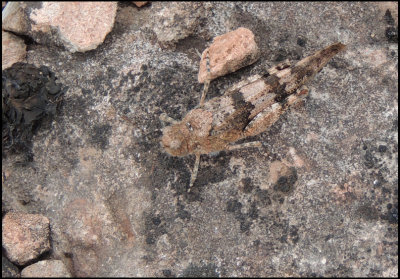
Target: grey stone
[46, 268]
[175, 21]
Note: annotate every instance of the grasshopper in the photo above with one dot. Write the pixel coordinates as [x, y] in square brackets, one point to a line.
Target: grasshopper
[246, 109]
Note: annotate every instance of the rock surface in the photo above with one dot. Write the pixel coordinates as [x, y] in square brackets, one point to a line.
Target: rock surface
[47, 268]
[25, 236]
[89, 229]
[228, 53]
[320, 198]
[13, 49]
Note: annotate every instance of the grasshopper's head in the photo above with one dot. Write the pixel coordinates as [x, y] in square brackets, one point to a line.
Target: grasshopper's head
[175, 139]
[186, 136]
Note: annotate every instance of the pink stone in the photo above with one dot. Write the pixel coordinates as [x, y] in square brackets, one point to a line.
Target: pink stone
[140, 3]
[81, 26]
[25, 236]
[228, 53]
[13, 49]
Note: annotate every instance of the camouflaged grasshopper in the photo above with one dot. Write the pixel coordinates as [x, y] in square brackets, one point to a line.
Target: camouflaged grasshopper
[246, 109]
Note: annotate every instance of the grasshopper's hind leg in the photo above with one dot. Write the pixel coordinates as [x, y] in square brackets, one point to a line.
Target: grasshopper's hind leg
[267, 117]
[244, 145]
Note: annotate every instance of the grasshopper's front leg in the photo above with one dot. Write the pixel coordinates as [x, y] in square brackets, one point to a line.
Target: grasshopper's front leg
[165, 118]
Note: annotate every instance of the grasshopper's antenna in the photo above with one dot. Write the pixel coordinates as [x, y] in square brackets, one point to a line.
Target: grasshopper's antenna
[194, 173]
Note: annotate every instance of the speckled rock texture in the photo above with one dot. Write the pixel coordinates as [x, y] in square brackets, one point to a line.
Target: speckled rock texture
[177, 20]
[320, 198]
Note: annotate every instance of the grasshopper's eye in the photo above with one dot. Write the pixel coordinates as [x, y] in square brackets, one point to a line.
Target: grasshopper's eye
[190, 128]
[175, 144]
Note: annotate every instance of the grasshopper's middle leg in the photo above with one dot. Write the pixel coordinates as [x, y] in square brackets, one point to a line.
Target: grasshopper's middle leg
[193, 176]
[244, 145]
[230, 147]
